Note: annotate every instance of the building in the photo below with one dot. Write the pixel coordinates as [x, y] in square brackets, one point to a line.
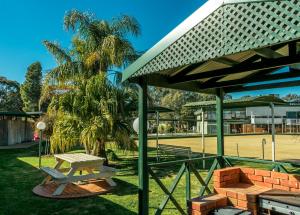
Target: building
[16, 127]
[249, 115]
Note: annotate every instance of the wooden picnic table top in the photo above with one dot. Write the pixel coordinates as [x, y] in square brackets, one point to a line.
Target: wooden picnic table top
[78, 158]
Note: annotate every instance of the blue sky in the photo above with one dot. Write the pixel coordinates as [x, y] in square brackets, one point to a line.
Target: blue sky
[25, 24]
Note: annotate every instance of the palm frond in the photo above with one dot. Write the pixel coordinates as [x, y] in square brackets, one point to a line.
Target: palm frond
[125, 25]
[76, 18]
[59, 53]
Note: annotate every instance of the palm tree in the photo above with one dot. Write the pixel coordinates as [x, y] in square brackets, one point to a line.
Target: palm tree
[89, 108]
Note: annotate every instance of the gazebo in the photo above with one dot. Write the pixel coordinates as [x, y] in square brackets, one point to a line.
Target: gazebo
[225, 46]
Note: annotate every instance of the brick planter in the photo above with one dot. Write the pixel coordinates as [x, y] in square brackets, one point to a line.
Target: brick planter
[240, 187]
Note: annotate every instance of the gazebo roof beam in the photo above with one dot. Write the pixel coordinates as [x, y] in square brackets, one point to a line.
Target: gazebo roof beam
[262, 86]
[263, 74]
[267, 53]
[242, 67]
[226, 61]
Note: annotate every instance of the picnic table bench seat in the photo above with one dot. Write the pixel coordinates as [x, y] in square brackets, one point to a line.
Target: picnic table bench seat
[53, 173]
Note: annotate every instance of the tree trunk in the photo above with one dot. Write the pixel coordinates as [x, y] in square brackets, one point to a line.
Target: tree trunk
[101, 151]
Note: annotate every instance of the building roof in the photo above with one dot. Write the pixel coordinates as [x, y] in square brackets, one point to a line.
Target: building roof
[22, 114]
[239, 103]
[159, 109]
[226, 44]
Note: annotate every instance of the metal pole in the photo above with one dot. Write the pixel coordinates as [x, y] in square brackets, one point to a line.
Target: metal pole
[143, 189]
[282, 125]
[157, 125]
[263, 143]
[40, 148]
[273, 132]
[202, 138]
[220, 128]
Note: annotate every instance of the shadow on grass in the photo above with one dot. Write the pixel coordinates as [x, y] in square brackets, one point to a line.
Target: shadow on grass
[17, 179]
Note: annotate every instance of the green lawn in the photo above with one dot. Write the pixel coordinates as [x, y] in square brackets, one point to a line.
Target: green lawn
[19, 174]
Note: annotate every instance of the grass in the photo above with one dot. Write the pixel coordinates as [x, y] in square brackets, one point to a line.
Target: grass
[19, 174]
[287, 146]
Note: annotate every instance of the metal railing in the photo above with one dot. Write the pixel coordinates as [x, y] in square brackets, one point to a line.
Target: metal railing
[188, 167]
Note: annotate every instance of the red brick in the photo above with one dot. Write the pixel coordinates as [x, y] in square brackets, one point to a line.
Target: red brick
[279, 175]
[255, 177]
[202, 206]
[243, 204]
[295, 190]
[232, 181]
[219, 184]
[294, 178]
[233, 170]
[218, 179]
[242, 196]
[195, 212]
[226, 178]
[244, 178]
[231, 194]
[220, 191]
[271, 180]
[248, 171]
[281, 187]
[264, 173]
[232, 201]
[288, 183]
[221, 203]
[263, 184]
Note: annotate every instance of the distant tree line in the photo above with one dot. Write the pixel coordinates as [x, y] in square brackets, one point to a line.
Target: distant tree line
[17, 98]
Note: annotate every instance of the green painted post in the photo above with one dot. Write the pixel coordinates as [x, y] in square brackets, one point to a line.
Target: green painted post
[143, 161]
[188, 183]
[220, 121]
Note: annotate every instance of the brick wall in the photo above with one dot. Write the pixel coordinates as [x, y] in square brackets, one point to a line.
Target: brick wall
[242, 185]
[263, 178]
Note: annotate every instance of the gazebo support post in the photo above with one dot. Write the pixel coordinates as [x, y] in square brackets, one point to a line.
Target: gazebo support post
[220, 127]
[143, 159]
[202, 137]
[157, 126]
[273, 132]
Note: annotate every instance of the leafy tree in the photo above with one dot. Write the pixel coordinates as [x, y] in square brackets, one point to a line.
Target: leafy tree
[291, 97]
[91, 115]
[87, 107]
[175, 99]
[31, 88]
[10, 98]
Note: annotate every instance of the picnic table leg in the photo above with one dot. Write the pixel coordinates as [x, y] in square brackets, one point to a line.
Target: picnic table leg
[109, 180]
[60, 189]
[57, 166]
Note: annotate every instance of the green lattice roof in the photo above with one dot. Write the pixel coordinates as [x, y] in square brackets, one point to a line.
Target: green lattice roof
[228, 44]
[238, 103]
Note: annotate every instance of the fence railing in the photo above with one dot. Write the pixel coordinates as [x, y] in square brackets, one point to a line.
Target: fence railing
[188, 167]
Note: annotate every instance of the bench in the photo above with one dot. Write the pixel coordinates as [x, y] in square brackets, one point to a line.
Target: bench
[54, 173]
[183, 151]
[78, 162]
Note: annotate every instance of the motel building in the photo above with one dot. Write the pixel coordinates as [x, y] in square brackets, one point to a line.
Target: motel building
[251, 115]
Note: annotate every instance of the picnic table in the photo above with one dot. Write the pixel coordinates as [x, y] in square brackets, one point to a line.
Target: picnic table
[78, 162]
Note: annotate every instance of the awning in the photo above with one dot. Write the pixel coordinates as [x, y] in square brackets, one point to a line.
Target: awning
[227, 44]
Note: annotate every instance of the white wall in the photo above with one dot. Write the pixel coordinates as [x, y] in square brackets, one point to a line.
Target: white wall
[266, 111]
[16, 131]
